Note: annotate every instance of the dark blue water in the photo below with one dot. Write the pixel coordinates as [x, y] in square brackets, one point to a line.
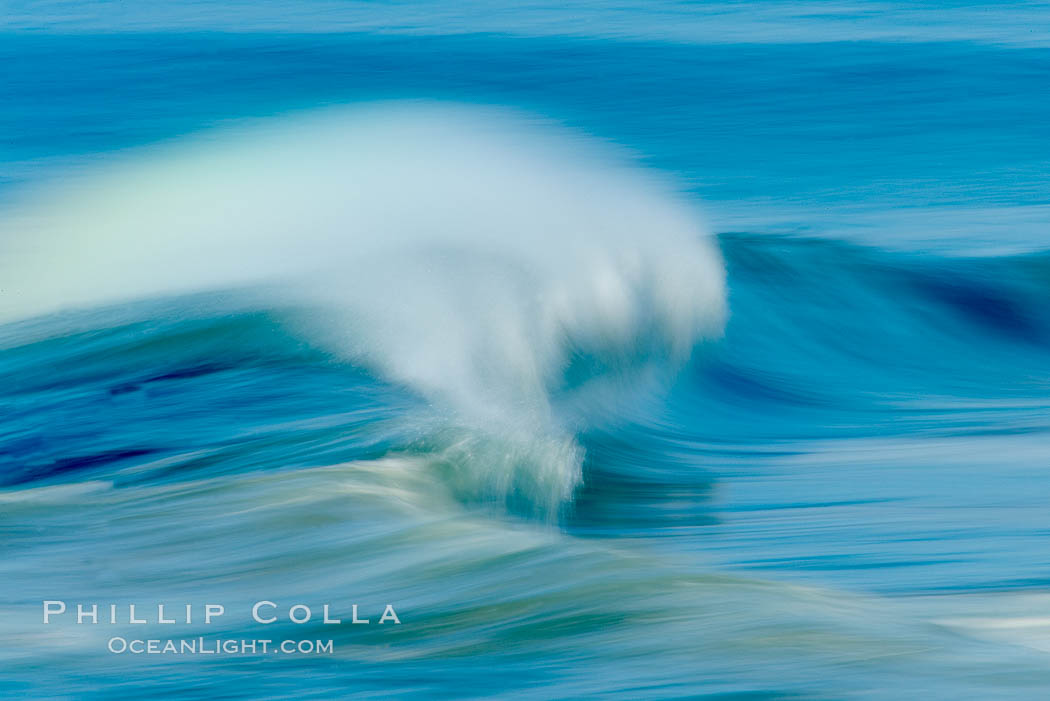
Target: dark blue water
[835, 489]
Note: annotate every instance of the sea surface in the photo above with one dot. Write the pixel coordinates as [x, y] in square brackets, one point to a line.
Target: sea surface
[676, 350]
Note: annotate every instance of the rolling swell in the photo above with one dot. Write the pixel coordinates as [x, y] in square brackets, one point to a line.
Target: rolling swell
[826, 328]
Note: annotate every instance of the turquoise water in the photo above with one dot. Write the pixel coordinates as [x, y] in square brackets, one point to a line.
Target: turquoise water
[694, 351]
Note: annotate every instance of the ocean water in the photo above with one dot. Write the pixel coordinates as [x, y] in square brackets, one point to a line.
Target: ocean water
[676, 351]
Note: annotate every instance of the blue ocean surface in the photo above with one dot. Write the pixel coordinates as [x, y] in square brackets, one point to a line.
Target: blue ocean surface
[677, 350]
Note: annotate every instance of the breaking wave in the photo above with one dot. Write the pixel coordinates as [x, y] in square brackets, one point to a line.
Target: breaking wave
[513, 274]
